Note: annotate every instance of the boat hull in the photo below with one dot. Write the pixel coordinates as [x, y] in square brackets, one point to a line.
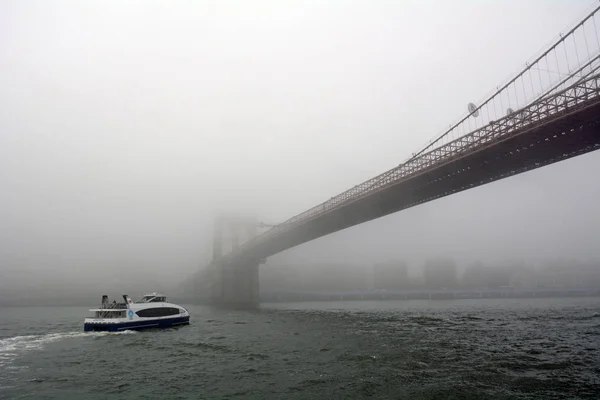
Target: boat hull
[135, 325]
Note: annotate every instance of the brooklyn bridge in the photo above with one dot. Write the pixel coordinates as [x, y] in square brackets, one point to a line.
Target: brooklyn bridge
[546, 113]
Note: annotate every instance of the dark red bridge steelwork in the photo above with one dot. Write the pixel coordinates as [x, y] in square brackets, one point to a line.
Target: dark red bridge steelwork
[550, 130]
[557, 116]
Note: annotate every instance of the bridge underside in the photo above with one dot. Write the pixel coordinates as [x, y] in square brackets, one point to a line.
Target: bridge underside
[568, 137]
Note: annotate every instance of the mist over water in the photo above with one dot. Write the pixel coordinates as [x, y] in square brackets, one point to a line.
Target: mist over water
[127, 127]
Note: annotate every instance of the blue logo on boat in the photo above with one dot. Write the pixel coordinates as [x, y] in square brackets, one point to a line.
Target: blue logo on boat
[130, 312]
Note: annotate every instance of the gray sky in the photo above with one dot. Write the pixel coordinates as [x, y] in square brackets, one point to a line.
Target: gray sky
[126, 125]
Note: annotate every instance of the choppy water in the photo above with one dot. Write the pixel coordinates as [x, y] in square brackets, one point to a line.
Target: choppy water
[466, 349]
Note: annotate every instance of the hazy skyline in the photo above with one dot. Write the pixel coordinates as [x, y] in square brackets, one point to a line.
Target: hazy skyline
[127, 125]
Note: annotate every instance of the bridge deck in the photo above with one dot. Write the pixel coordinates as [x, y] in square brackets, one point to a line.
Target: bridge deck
[552, 138]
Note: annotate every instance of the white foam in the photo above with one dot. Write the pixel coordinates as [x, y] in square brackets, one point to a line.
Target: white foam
[11, 347]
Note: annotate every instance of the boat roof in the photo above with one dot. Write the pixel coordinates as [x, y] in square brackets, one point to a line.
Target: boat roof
[154, 294]
[108, 309]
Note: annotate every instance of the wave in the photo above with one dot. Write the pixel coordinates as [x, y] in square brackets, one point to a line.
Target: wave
[12, 346]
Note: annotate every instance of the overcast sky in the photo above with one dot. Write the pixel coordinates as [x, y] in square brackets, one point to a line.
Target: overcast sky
[126, 125]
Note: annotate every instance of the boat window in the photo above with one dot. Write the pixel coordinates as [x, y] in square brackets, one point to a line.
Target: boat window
[157, 312]
[152, 299]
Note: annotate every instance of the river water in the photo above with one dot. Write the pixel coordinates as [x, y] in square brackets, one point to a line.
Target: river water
[418, 349]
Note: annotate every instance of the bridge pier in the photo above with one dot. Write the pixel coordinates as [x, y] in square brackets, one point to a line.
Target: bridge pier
[235, 284]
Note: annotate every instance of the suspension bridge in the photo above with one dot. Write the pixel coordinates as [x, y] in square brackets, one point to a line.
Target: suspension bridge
[548, 112]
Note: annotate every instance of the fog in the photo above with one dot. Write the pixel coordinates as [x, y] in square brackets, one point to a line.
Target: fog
[127, 126]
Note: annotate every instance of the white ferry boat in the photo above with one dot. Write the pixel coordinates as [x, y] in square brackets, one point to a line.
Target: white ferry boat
[152, 311]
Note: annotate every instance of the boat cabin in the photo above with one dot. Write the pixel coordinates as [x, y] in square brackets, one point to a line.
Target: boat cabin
[110, 310]
[153, 298]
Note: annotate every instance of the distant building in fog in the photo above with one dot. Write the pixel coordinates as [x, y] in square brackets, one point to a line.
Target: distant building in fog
[568, 273]
[317, 277]
[440, 273]
[478, 276]
[524, 277]
[391, 275]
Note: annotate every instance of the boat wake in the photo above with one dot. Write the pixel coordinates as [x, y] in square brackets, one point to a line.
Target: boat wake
[11, 347]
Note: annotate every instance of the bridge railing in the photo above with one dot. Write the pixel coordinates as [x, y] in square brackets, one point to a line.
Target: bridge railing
[543, 111]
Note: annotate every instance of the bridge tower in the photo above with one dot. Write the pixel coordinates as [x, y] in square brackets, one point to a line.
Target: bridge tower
[233, 280]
